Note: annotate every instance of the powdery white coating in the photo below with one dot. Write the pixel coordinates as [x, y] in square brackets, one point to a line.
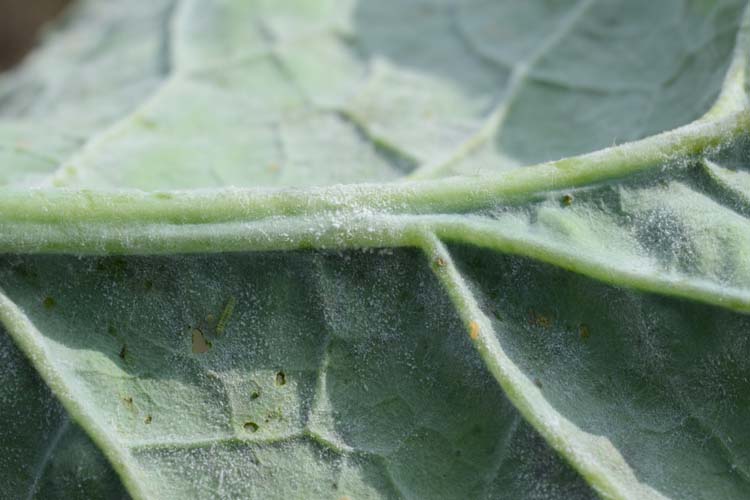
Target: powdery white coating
[606, 293]
[335, 375]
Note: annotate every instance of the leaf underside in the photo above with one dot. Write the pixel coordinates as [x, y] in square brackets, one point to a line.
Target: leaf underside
[299, 249]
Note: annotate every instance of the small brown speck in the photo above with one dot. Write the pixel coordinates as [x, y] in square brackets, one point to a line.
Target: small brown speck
[537, 319]
[440, 262]
[538, 383]
[250, 427]
[274, 167]
[128, 400]
[255, 395]
[281, 378]
[123, 351]
[147, 420]
[567, 200]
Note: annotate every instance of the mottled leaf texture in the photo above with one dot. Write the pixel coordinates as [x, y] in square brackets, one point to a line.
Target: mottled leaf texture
[354, 249]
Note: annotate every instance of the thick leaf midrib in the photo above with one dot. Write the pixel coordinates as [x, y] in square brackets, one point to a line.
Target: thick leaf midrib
[450, 195]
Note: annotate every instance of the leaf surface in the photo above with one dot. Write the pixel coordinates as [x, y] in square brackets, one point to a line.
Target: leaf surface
[45, 454]
[333, 375]
[201, 94]
[412, 336]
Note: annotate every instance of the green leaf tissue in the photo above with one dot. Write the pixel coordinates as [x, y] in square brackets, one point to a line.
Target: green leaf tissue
[377, 249]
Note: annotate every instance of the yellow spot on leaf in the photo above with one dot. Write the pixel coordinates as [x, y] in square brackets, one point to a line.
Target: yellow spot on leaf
[440, 262]
[474, 330]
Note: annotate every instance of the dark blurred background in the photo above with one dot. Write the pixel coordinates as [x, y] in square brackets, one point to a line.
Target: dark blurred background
[20, 21]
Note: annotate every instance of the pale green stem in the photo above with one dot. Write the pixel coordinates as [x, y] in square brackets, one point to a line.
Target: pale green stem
[282, 233]
[458, 194]
[344, 231]
[638, 275]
